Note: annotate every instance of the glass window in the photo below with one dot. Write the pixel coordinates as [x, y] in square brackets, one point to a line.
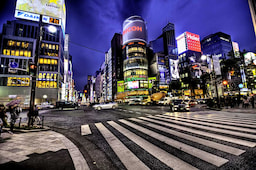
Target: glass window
[21, 53]
[12, 52]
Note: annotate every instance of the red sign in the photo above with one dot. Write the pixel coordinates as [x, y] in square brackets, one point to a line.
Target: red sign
[193, 42]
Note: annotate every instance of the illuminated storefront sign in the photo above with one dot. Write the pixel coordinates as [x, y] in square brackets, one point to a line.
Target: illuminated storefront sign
[249, 58]
[46, 84]
[151, 80]
[181, 43]
[120, 86]
[134, 29]
[236, 49]
[47, 76]
[17, 48]
[137, 93]
[133, 84]
[18, 81]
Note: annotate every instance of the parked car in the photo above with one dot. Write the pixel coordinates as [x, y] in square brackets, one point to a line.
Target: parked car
[111, 105]
[192, 103]
[179, 105]
[134, 102]
[201, 101]
[66, 104]
[45, 105]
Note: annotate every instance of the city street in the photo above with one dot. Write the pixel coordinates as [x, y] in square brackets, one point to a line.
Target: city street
[152, 137]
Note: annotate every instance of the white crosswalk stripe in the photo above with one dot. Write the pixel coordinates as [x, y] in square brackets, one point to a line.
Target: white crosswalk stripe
[160, 154]
[201, 141]
[218, 121]
[195, 136]
[129, 160]
[208, 157]
[212, 124]
[240, 134]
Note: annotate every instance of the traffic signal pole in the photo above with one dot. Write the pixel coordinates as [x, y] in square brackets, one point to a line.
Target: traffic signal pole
[34, 75]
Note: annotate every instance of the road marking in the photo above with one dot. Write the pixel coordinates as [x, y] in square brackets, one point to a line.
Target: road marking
[219, 121]
[203, 155]
[129, 160]
[212, 124]
[77, 157]
[211, 129]
[157, 152]
[233, 118]
[138, 113]
[85, 130]
[199, 132]
[218, 146]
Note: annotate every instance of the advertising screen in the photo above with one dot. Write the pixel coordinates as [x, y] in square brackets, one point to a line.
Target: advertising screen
[120, 86]
[181, 43]
[249, 58]
[133, 84]
[134, 30]
[53, 8]
[193, 42]
[236, 49]
[174, 69]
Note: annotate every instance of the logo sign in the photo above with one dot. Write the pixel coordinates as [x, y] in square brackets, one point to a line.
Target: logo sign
[193, 42]
[13, 64]
[11, 70]
[134, 29]
[26, 15]
[31, 16]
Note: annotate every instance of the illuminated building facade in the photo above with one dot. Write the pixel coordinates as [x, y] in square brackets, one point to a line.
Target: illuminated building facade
[252, 5]
[17, 50]
[135, 64]
[189, 50]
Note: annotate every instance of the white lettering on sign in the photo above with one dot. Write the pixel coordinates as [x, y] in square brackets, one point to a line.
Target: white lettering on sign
[193, 37]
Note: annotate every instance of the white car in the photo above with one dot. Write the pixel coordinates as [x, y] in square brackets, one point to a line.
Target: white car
[111, 105]
[45, 105]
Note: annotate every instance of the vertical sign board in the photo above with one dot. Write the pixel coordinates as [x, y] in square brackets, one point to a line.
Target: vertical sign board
[181, 43]
[193, 42]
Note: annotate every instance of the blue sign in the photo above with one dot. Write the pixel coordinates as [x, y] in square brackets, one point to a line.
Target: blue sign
[12, 64]
[240, 85]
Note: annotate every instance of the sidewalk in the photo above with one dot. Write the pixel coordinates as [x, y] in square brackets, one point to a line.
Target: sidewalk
[240, 110]
[38, 149]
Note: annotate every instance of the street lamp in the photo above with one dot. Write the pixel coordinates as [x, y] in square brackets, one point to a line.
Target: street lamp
[35, 71]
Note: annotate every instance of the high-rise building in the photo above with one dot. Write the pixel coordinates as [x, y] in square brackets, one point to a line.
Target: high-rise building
[135, 55]
[252, 5]
[189, 50]
[219, 44]
[18, 50]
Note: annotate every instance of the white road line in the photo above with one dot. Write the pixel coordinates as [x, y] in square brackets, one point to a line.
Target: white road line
[218, 146]
[233, 118]
[203, 155]
[85, 130]
[199, 132]
[157, 152]
[129, 160]
[216, 121]
[212, 124]
[77, 157]
[240, 134]
[138, 113]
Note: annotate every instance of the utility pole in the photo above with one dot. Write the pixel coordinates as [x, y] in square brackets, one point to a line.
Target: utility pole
[35, 70]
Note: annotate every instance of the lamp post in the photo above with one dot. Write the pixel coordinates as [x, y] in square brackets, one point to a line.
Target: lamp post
[34, 67]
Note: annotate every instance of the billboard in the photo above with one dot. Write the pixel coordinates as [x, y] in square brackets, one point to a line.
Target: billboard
[236, 49]
[174, 69]
[193, 42]
[133, 84]
[181, 43]
[134, 29]
[53, 8]
[120, 86]
[188, 41]
[249, 58]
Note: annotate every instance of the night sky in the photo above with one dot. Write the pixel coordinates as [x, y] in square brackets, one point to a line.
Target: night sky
[92, 23]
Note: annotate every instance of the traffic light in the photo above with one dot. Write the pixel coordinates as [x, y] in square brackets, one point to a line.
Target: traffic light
[32, 69]
[225, 82]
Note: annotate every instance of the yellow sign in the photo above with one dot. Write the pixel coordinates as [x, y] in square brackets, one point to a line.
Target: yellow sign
[18, 81]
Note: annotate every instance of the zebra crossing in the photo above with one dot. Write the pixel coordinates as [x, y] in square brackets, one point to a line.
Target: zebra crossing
[180, 141]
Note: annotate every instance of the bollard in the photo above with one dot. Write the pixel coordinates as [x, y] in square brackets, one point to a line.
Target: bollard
[42, 122]
[20, 122]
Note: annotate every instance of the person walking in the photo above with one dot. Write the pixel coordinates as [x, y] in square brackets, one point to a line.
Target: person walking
[252, 100]
[3, 116]
[13, 116]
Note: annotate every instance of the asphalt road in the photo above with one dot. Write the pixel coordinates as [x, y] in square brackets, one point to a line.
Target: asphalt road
[141, 137]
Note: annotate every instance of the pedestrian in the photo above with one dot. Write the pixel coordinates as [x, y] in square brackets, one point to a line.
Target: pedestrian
[12, 110]
[252, 101]
[246, 102]
[3, 115]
